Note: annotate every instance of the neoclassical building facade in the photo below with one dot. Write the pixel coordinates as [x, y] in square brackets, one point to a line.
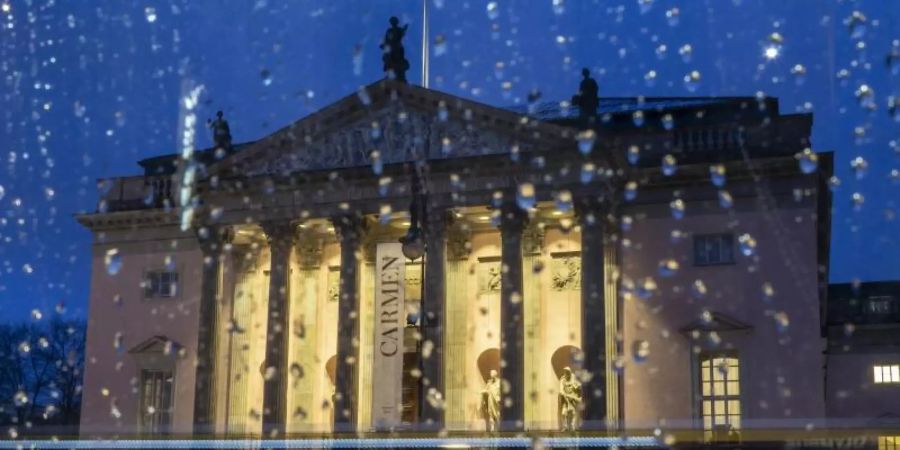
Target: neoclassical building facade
[674, 256]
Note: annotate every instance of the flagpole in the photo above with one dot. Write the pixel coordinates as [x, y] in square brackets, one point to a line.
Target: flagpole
[425, 44]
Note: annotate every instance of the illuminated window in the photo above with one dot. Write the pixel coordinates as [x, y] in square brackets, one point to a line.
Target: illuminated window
[712, 249]
[888, 442]
[720, 394]
[887, 374]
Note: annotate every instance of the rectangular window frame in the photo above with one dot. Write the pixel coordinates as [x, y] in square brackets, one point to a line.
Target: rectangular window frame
[161, 421]
[886, 374]
[702, 249]
[732, 404]
[155, 293]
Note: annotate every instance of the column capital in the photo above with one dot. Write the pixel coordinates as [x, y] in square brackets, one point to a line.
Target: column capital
[279, 230]
[349, 228]
[309, 248]
[591, 209]
[214, 238]
[459, 241]
[533, 238]
[512, 218]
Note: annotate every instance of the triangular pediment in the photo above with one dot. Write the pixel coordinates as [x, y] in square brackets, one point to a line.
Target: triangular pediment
[154, 344]
[716, 321]
[387, 123]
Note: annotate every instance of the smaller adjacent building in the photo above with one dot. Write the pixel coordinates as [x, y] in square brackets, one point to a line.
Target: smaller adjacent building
[862, 385]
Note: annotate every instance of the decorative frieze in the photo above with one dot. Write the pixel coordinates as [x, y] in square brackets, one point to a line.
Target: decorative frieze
[566, 272]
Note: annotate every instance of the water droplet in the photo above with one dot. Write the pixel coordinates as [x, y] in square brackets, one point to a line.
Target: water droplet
[698, 288]
[296, 371]
[118, 338]
[725, 200]
[857, 199]
[525, 196]
[668, 122]
[747, 244]
[672, 16]
[2, 192]
[676, 236]
[856, 24]
[266, 77]
[638, 118]
[717, 175]
[20, 399]
[515, 298]
[668, 267]
[677, 208]
[692, 81]
[559, 7]
[630, 191]
[587, 172]
[169, 261]
[440, 44]
[634, 154]
[563, 201]
[646, 288]
[150, 14]
[645, 6]
[375, 131]
[799, 73]
[669, 165]
[493, 10]
[446, 146]
[859, 166]
[36, 314]
[363, 94]
[443, 114]
[586, 141]
[377, 163]
[808, 161]
[782, 321]
[640, 350]
[686, 51]
[24, 347]
[113, 261]
[626, 223]
[768, 292]
[650, 78]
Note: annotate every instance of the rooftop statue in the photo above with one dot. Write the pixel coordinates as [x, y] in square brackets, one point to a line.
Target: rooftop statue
[394, 57]
[587, 99]
[221, 132]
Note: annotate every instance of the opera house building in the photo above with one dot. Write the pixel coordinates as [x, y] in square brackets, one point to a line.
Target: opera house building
[408, 260]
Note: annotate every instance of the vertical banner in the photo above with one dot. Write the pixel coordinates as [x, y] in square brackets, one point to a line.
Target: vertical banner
[390, 321]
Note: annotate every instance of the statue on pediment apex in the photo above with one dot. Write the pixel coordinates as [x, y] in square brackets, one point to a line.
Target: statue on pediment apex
[394, 56]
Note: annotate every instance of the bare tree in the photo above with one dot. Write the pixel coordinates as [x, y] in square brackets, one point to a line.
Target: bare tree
[41, 366]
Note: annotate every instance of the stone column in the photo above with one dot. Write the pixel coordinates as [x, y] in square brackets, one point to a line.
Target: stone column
[593, 310]
[532, 246]
[349, 229]
[304, 334]
[212, 243]
[512, 223]
[434, 296]
[281, 235]
[456, 342]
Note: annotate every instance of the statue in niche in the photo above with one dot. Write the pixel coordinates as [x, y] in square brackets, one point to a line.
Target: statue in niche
[221, 132]
[569, 399]
[394, 56]
[490, 402]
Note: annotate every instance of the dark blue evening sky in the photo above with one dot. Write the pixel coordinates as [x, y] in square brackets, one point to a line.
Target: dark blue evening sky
[90, 87]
